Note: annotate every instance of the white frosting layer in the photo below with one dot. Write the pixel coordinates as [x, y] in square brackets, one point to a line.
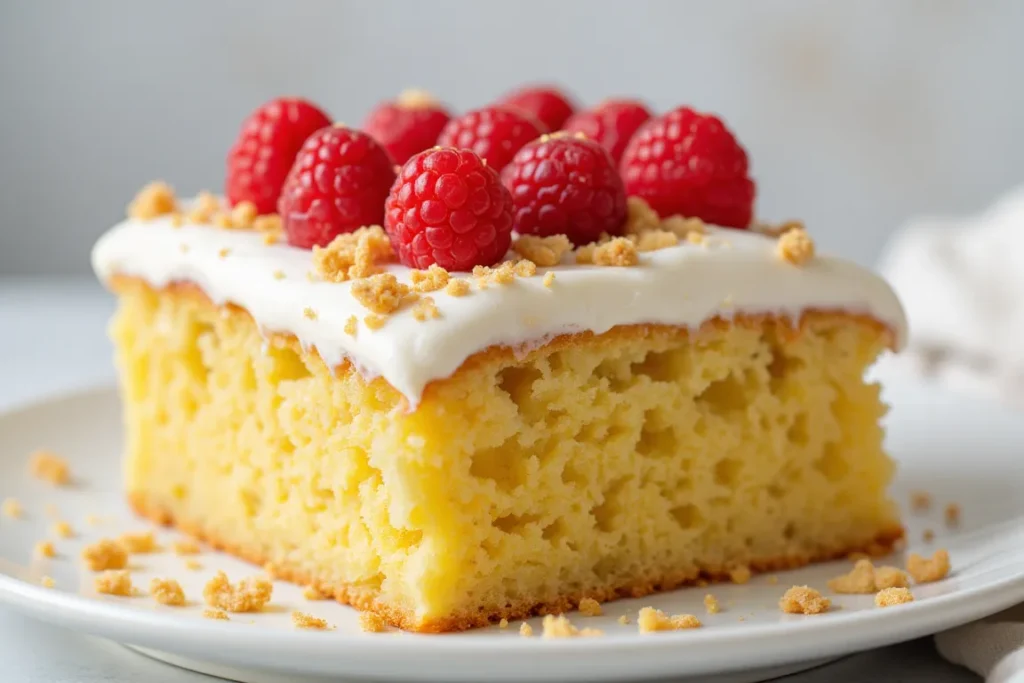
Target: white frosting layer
[683, 285]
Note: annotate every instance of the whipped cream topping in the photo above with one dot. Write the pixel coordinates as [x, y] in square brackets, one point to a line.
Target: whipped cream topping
[738, 272]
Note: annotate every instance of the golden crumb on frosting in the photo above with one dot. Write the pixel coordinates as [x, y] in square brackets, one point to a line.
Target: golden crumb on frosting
[618, 252]
[154, 200]
[590, 607]
[381, 293]
[561, 627]
[740, 574]
[114, 582]
[11, 507]
[309, 313]
[795, 246]
[549, 278]
[691, 229]
[457, 287]
[279, 274]
[353, 255]
[525, 268]
[49, 467]
[640, 217]
[269, 223]
[804, 600]
[926, 570]
[503, 623]
[222, 219]
[351, 326]
[308, 621]
[889, 597]
[920, 501]
[45, 549]
[653, 240]
[952, 515]
[430, 280]
[167, 592]
[651, 620]
[216, 614]
[105, 554]
[860, 579]
[312, 593]
[776, 230]
[542, 251]
[47, 582]
[711, 604]
[248, 595]
[425, 309]
[177, 220]
[372, 623]
[203, 208]
[62, 529]
[375, 322]
[243, 214]
[139, 543]
[185, 546]
[271, 238]
[525, 630]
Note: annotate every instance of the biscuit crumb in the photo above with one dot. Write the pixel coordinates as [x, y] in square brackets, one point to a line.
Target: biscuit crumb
[890, 577]
[549, 278]
[375, 322]
[267, 223]
[185, 546]
[425, 309]
[270, 238]
[49, 467]
[804, 600]
[193, 565]
[654, 240]
[312, 593]
[639, 216]
[308, 621]
[889, 597]
[47, 582]
[926, 570]
[740, 574]
[203, 207]
[770, 230]
[623, 620]
[617, 252]
[243, 214]
[542, 251]
[223, 253]
[372, 623]
[154, 200]
[45, 549]
[561, 627]
[928, 536]
[590, 607]
[381, 293]
[503, 623]
[457, 287]
[116, 582]
[920, 501]
[139, 543]
[11, 507]
[63, 530]
[525, 630]
[859, 580]
[279, 274]
[651, 620]
[167, 592]
[248, 595]
[353, 255]
[795, 246]
[711, 604]
[309, 313]
[216, 614]
[105, 554]
[222, 219]
[952, 515]
[351, 326]
[525, 268]
[430, 280]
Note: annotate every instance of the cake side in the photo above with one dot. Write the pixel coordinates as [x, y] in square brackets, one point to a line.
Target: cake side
[653, 456]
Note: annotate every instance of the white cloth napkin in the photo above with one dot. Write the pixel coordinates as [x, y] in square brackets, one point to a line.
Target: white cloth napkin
[962, 284]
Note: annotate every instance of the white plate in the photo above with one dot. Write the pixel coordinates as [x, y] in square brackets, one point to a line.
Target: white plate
[960, 450]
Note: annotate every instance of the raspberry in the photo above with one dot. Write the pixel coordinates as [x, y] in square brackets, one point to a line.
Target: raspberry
[265, 148]
[448, 207]
[689, 163]
[611, 123]
[492, 133]
[406, 126]
[338, 184]
[566, 185]
[545, 103]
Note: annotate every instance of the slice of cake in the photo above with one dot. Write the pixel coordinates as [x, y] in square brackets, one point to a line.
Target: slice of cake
[426, 423]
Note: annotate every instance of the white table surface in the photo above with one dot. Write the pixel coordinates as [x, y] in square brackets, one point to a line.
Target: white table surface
[52, 339]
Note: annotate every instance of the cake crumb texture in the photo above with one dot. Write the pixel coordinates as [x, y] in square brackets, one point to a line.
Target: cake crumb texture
[372, 623]
[308, 621]
[590, 607]
[152, 201]
[560, 627]
[651, 620]
[600, 466]
[711, 604]
[804, 600]
[796, 246]
[888, 597]
[185, 546]
[216, 614]
[525, 630]
[926, 570]
[114, 582]
[139, 542]
[49, 467]
[167, 592]
[542, 251]
[248, 595]
[105, 554]
[353, 255]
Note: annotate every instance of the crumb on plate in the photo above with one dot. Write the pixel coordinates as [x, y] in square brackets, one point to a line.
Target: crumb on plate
[804, 600]
[248, 595]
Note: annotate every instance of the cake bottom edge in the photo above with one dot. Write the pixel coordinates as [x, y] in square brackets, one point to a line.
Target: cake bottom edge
[366, 599]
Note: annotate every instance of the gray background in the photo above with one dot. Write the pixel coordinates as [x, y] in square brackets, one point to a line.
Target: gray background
[856, 115]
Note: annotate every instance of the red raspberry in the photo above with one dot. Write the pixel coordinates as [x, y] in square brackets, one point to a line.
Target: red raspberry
[493, 133]
[612, 123]
[689, 163]
[406, 126]
[567, 185]
[545, 103]
[265, 148]
[338, 184]
[448, 207]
